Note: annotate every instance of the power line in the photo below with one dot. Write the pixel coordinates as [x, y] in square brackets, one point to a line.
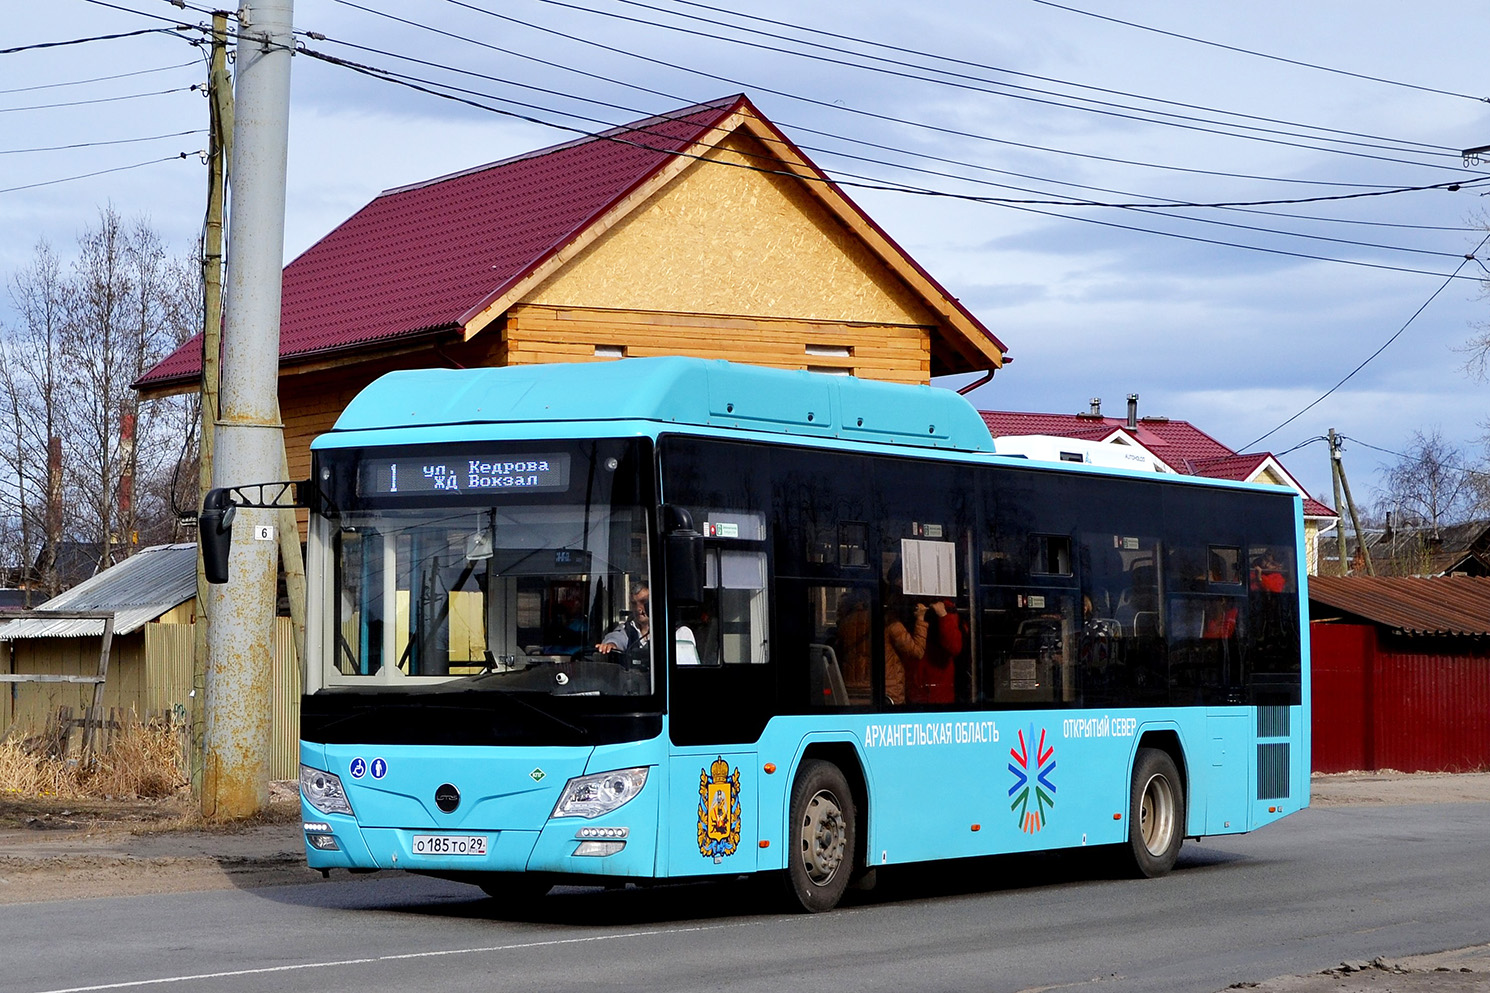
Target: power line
[886, 118]
[1261, 55]
[1158, 208]
[848, 180]
[989, 68]
[98, 144]
[96, 79]
[1157, 203]
[827, 105]
[84, 41]
[1364, 362]
[1101, 107]
[1415, 458]
[101, 172]
[114, 99]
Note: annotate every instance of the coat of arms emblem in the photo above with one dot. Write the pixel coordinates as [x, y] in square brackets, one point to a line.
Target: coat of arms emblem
[718, 810]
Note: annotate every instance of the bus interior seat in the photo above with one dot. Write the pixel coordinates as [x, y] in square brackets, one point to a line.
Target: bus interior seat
[827, 676]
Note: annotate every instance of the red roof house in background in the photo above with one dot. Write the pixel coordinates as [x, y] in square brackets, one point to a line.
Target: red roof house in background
[704, 232]
[1173, 446]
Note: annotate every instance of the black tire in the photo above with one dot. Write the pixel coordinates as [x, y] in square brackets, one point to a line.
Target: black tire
[1156, 814]
[823, 837]
[514, 888]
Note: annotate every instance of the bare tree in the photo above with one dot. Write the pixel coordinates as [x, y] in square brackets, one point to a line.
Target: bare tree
[122, 317]
[1432, 482]
[30, 377]
[86, 332]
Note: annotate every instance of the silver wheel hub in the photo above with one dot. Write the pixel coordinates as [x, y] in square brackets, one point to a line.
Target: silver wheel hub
[824, 837]
[1156, 815]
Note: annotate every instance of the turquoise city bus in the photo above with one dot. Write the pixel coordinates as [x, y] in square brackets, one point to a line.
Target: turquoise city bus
[661, 619]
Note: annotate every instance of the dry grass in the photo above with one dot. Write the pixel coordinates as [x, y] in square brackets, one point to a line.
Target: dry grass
[139, 761]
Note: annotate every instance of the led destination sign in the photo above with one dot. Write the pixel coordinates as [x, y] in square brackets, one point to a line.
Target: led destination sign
[462, 474]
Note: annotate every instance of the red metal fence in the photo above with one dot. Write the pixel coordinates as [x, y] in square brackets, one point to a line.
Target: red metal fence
[1378, 704]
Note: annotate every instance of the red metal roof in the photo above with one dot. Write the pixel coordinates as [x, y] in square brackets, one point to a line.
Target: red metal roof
[1229, 466]
[1439, 605]
[419, 258]
[1176, 442]
[432, 256]
[1179, 444]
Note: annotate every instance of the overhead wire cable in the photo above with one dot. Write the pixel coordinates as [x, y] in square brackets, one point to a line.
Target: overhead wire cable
[83, 41]
[1157, 208]
[100, 172]
[998, 69]
[1101, 107]
[883, 118]
[1448, 280]
[97, 100]
[154, 17]
[1158, 203]
[1414, 458]
[96, 144]
[852, 182]
[1261, 55]
[96, 79]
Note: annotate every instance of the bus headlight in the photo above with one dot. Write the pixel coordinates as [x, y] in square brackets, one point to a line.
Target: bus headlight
[591, 796]
[322, 790]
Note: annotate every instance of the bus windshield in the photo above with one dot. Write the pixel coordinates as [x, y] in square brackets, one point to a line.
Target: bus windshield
[534, 593]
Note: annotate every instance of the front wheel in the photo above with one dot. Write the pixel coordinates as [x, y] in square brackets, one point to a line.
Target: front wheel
[823, 838]
[1156, 814]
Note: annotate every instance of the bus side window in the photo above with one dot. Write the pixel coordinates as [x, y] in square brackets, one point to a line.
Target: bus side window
[839, 645]
[735, 602]
[1031, 647]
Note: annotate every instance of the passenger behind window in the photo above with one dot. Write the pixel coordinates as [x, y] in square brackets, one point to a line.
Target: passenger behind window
[905, 636]
[933, 678]
[852, 644]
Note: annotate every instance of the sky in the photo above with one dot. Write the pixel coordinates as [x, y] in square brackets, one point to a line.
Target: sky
[1028, 153]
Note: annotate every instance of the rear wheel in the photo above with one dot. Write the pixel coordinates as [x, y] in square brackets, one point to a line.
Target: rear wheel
[1156, 814]
[823, 838]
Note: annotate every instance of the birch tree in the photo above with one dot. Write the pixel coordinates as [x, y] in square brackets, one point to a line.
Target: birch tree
[86, 331]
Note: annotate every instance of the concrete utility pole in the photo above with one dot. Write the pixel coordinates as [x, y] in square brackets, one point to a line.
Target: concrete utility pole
[250, 437]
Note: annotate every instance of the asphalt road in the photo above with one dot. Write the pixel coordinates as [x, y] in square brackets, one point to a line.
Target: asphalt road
[1327, 885]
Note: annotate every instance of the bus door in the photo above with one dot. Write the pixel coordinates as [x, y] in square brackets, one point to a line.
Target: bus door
[723, 694]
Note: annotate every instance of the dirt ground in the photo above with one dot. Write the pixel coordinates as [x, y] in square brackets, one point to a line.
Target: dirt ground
[78, 849]
[62, 849]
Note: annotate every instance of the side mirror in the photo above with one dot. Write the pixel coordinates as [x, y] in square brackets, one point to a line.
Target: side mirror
[685, 556]
[215, 533]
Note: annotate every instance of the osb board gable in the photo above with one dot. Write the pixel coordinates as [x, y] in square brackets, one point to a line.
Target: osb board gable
[722, 240]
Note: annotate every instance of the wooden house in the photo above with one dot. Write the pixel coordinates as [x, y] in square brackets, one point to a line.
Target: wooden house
[701, 232]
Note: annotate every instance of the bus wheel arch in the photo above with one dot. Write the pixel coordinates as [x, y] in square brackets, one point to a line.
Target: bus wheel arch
[825, 827]
[1157, 800]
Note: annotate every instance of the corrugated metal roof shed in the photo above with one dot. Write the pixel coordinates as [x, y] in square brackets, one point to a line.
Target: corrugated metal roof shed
[138, 590]
[1436, 605]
